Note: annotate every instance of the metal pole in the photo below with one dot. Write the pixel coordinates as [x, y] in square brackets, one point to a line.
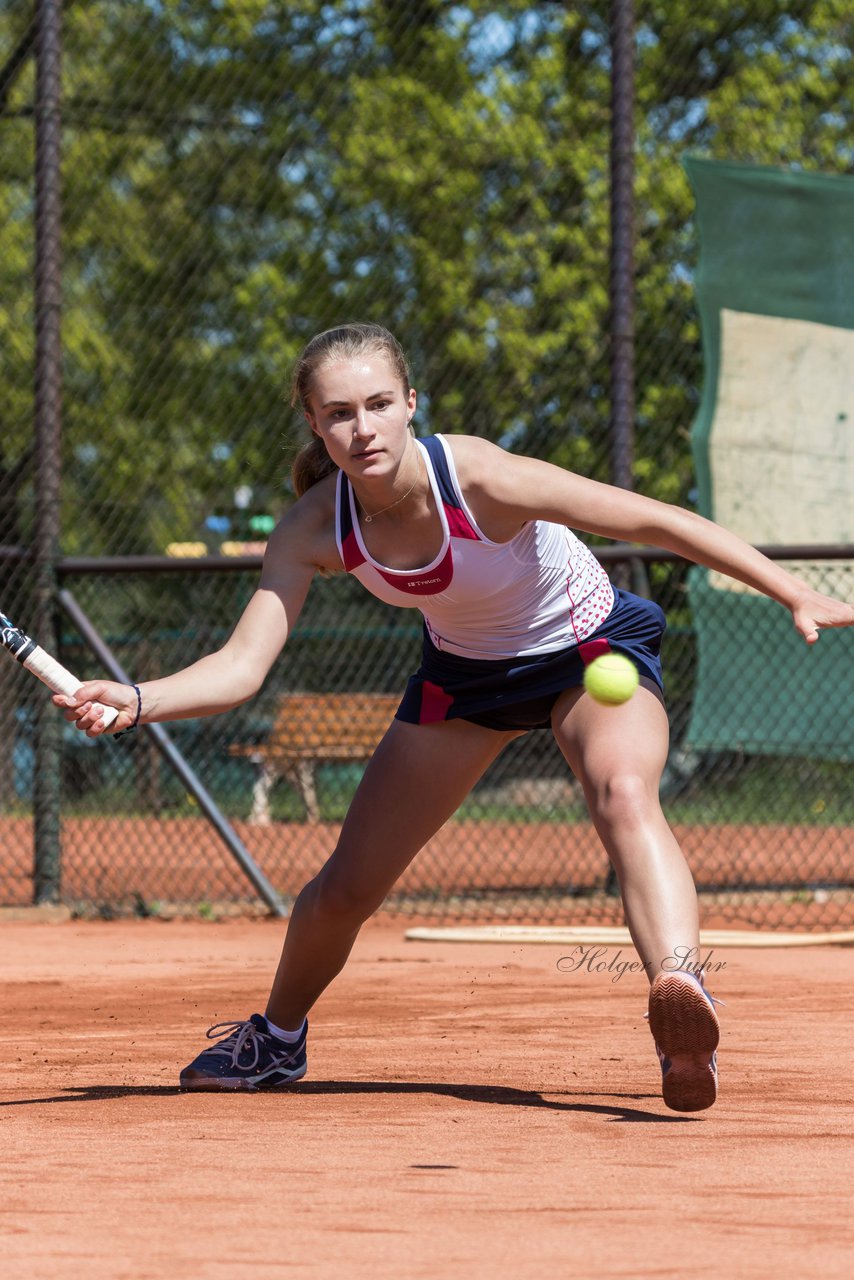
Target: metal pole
[48, 428]
[179, 765]
[622, 282]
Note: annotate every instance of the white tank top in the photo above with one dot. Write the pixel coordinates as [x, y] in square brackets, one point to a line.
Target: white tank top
[536, 594]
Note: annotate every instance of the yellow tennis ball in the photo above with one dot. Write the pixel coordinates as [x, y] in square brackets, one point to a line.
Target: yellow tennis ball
[611, 679]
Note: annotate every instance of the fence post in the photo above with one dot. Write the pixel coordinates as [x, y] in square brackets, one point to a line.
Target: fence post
[622, 269]
[622, 265]
[48, 428]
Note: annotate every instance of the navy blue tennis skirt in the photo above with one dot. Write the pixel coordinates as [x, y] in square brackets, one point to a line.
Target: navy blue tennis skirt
[519, 693]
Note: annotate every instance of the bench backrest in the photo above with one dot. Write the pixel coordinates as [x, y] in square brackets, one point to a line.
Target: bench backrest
[336, 725]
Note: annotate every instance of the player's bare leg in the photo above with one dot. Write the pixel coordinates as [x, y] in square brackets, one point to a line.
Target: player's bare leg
[618, 754]
[418, 777]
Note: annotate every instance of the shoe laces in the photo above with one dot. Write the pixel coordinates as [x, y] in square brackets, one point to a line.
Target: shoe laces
[237, 1037]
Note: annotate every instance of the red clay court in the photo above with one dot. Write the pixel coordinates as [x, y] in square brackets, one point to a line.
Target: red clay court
[469, 1111]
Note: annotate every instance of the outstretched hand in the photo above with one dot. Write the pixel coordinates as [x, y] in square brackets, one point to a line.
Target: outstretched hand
[813, 612]
[85, 709]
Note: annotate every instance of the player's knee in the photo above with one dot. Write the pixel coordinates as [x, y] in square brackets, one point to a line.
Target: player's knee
[624, 799]
[338, 897]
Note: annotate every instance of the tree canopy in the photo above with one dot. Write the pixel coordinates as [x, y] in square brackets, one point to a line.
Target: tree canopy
[237, 176]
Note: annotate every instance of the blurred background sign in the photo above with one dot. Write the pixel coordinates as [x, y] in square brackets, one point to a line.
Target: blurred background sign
[774, 448]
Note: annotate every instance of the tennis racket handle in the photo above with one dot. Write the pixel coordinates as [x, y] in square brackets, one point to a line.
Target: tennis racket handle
[59, 679]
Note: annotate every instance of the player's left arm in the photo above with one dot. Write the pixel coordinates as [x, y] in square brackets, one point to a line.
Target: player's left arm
[506, 490]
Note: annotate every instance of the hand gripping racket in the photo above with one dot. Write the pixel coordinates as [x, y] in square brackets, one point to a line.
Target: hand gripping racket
[25, 650]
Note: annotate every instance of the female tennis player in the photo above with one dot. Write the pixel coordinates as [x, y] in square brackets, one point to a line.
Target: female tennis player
[514, 606]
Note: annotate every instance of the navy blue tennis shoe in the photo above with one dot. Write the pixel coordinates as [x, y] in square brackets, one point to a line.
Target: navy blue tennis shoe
[683, 1020]
[247, 1058]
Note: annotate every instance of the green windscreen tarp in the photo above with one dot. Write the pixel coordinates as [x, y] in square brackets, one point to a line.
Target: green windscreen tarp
[774, 450]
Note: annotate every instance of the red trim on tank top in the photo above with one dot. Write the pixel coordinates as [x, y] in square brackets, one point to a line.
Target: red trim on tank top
[417, 582]
[459, 525]
[351, 552]
[569, 597]
[422, 582]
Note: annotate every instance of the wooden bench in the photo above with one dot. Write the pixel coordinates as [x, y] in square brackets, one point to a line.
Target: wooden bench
[308, 728]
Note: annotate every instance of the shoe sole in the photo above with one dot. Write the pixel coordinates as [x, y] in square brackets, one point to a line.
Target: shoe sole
[196, 1082]
[686, 1030]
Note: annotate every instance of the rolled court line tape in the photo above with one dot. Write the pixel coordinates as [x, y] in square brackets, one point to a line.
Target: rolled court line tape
[613, 936]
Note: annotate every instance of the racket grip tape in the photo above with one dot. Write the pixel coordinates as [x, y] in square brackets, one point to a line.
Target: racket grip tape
[59, 679]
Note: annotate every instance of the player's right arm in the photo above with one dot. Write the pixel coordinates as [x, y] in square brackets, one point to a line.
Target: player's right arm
[301, 544]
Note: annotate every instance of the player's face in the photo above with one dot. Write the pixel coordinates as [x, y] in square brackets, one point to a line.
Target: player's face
[360, 410]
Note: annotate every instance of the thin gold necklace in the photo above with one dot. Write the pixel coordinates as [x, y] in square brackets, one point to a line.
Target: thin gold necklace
[397, 501]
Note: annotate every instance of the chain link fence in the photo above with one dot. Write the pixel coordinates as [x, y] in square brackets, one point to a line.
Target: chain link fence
[238, 176]
[768, 838]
